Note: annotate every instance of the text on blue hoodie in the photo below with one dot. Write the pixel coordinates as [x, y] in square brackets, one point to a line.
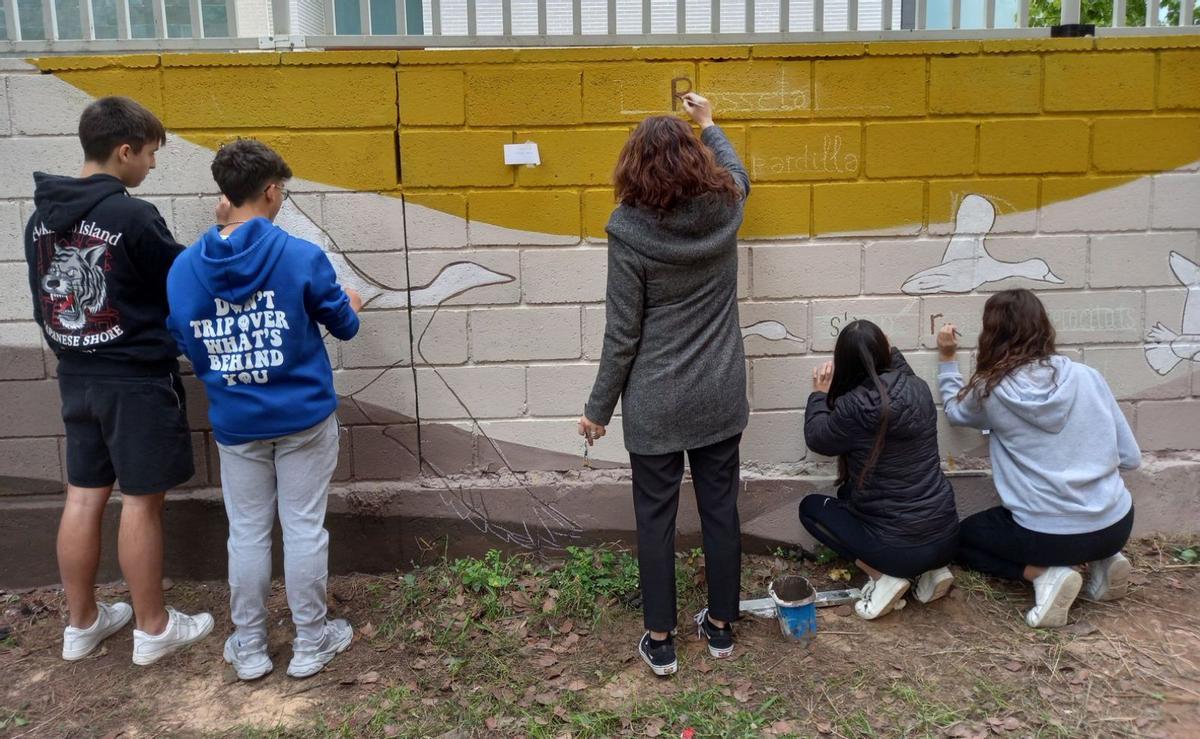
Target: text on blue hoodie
[247, 310]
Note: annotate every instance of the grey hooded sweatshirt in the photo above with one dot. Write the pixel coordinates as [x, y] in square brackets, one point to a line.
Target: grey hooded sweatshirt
[1058, 441]
[672, 342]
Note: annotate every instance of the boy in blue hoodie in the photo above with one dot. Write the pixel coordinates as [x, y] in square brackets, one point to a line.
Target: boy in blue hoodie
[247, 304]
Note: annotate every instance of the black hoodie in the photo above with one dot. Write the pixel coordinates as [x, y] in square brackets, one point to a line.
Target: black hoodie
[98, 262]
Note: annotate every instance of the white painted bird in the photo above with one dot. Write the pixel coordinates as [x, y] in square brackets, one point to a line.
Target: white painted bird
[966, 264]
[771, 331]
[1165, 348]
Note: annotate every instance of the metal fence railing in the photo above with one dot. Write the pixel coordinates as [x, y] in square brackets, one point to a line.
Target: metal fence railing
[33, 27]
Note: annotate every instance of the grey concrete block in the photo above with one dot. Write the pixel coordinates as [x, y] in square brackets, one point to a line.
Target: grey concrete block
[564, 275]
[1133, 260]
[21, 352]
[1165, 425]
[900, 319]
[806, 270]
[518, 334]
[12, 231]
[1175, 198]
[30, 408]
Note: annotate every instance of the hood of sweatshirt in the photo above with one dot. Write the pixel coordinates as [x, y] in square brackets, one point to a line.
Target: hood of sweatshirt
[233, 268]
[62, 202]
[695, 230]
[1041, 394]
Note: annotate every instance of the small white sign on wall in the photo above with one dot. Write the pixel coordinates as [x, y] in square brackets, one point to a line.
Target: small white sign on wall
[526, 153]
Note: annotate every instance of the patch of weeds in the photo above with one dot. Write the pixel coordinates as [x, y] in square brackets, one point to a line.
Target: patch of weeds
[823, 555]
[992, 697]
[856, 724]
[488, 577]
[926, 713]
[10, 719]
[400, 601]
[974, 583]
[709, 712]
[8, 642]
[794, 554]
[592, 577]
[1188, 555]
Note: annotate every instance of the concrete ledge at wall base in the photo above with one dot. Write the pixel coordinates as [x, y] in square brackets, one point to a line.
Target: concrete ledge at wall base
[388, 527]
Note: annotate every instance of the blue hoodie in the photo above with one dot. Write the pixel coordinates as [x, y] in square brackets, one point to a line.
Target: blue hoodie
[245, 309]
[1058, 441]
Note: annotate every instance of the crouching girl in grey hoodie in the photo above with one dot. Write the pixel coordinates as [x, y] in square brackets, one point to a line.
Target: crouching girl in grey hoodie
[1058, 441]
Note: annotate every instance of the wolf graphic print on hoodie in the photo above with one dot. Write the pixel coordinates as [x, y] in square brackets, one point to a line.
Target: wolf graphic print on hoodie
[247, 309]
[98, 262]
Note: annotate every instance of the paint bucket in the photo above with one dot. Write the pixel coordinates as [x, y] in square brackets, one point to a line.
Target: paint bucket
[795, 607]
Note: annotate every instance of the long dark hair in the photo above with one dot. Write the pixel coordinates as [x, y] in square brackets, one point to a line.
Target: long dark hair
[664, 163]
[862, 352]
[1016, 331]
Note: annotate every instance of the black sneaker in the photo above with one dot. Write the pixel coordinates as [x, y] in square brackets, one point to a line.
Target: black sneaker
[720, 641]
[660, 658]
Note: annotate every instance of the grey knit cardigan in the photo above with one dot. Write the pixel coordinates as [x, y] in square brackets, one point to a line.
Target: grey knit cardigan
[672, 343]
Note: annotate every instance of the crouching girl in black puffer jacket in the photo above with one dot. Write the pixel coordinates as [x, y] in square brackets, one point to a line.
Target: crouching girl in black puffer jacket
[894, 514]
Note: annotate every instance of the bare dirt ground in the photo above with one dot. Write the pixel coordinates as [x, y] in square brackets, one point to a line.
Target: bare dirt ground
[509, 647]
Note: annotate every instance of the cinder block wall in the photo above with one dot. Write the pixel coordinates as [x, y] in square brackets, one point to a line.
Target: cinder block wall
[860, 154]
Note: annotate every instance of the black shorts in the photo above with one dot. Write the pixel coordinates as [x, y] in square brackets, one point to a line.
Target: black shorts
[128, 429]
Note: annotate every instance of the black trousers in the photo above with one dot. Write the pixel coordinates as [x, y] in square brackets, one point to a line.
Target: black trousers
[716, 475]
[995, 544]
[833, 524]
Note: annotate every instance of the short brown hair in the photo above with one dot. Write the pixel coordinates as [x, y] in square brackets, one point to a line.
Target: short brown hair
[245, 167]
[1016, 331]
[663, 163]
[111, 122]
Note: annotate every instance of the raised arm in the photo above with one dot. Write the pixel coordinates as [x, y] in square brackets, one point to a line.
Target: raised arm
[969, 410]
[700, 110]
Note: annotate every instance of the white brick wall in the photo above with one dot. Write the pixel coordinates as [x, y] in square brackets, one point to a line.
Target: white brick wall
[523, 355]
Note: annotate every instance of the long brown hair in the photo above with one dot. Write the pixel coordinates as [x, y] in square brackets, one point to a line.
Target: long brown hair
[862, 352]
[1016, 331]
[663, 163]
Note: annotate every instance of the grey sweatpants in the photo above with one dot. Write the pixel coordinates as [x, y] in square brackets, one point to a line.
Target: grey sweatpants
[290, 473]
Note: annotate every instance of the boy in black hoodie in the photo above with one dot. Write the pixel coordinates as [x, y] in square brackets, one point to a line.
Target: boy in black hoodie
[98, 262]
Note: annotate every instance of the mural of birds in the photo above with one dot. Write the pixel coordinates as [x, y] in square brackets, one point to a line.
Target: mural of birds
[966, 264]
[1165, 349]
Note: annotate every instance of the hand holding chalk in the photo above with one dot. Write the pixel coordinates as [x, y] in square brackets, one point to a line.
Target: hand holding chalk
[356, 301]
[698, 109]
[221, 211]
[823, 377]
[590, 430]
[947, 341]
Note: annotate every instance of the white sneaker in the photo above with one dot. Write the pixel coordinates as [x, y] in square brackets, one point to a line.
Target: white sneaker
[79, 643]
[934, 584]
[308, 659]
[181, 631]
[1054, 592]
[1108, 579]
[250, 659]
[882, 597]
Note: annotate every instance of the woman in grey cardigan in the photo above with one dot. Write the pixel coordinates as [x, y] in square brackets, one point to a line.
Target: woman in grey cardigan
[673, 353]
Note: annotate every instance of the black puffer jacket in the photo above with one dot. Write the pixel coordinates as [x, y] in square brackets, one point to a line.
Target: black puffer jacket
[906, 500]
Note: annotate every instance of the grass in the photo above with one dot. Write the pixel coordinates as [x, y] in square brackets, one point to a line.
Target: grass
[11, 719]
[505, 645]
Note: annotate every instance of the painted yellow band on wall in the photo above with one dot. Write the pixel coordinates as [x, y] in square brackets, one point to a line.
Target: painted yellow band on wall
[841, 138]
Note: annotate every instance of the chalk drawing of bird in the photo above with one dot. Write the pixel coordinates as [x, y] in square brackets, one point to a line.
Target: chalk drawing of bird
[454, 279]
[771, 331]
[1165, 348]
[966, 264]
